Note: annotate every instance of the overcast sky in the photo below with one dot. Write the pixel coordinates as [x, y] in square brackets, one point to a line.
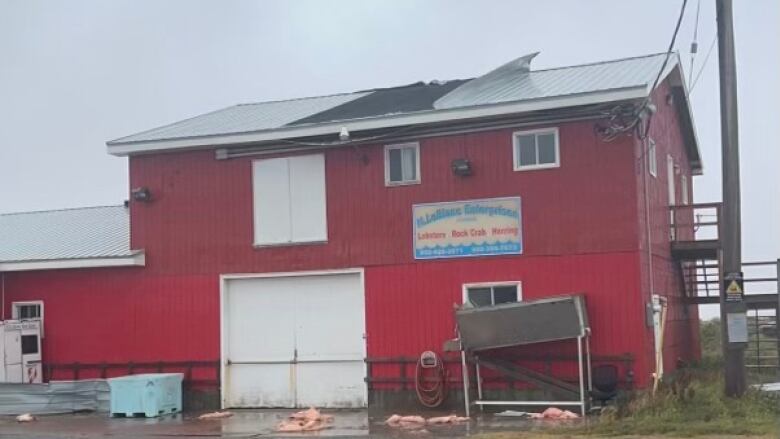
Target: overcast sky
[78, 73]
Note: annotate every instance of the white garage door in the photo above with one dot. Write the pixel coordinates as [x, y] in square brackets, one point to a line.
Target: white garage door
[294, 341]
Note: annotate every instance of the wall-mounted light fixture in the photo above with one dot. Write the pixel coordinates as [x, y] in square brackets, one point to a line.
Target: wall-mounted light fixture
[141, 194]
[461, 167]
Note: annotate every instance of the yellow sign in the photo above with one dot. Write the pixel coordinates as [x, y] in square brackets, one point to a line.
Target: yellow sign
[734, 288]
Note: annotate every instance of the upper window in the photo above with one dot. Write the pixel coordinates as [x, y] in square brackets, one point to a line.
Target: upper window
[402, 164]
[652, 161]
[289, 200]
[537, 149]
[490, 294]
[27, 310]
[684, 189]
[32, 310]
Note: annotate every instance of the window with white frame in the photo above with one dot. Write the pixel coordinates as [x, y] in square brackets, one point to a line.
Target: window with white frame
[27, 310]
[684, 189]
[30, 310]
[652, 160]
[536, 149]
[289, 200]
[402, 164]
[493, 293]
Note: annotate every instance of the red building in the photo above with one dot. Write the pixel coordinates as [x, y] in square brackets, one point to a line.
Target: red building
[297, 243]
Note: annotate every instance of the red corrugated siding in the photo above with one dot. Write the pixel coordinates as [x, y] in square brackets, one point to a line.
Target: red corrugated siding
[121, 314]
[410, 306]
[580, 226]
[682, 335]
[201, 219]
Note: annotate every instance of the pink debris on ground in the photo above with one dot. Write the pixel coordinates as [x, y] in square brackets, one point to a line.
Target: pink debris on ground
[419, 422]
[555, 413]
[25, 418]
[215, 415]
[451, 419]
[306, 420]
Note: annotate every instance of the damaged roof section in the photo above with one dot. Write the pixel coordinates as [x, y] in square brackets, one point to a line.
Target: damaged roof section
[68, 238]
[396, 100]
[511, 89]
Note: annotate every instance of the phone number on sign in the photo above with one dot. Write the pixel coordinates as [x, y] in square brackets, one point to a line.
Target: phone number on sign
[473, 250]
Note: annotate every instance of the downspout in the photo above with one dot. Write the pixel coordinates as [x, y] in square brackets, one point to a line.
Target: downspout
[648, 236]
[648, 229]
[2, 296]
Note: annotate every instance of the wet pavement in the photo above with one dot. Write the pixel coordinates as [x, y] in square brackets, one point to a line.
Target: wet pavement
[243, 424]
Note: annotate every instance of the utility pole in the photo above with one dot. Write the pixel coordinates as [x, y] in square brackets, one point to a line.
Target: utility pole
[733, 311]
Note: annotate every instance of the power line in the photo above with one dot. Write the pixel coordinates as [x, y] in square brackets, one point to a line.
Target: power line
[669, 50]
[617, 124]
[695, 42]
[704, 63]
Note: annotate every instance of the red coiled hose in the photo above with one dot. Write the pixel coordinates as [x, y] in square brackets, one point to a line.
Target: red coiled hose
[431, 387]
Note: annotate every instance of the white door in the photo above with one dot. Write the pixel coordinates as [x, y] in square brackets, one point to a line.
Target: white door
[294, 341]
[13, 355]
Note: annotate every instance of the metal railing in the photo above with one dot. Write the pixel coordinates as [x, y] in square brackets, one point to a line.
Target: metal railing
[196, 373]
[762, 354]
[695, 222]
[703, 278]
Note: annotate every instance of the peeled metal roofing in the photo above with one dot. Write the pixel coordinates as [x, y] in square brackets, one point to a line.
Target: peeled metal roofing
[91, 232]
[243, 118]
[512, 82]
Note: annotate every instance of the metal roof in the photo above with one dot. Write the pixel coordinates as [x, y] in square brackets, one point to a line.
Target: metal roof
[514, 82]
[90, 232]
[513, 88]
[243, 118]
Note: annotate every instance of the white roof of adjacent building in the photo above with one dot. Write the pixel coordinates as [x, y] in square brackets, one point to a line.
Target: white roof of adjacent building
[68, 238]
[513, 88]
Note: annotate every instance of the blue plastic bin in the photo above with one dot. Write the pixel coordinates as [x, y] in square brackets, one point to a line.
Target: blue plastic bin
[149, 394]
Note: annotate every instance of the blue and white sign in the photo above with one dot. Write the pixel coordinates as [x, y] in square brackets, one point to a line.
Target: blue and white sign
[468, 228]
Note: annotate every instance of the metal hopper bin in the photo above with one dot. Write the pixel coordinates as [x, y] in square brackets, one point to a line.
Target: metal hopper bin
[481, 329]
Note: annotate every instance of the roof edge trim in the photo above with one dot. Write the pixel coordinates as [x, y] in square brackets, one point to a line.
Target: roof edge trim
[138, 259]
[386, 121]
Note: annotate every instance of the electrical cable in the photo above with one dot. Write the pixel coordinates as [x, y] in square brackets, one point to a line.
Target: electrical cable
[350, 141]
[671, 47]
[695, 42]
[704, 63]
[613, 130]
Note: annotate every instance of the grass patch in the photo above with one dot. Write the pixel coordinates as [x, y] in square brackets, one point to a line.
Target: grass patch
[690, 404]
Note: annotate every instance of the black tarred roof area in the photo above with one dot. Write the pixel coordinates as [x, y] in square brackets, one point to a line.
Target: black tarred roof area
[419, 96]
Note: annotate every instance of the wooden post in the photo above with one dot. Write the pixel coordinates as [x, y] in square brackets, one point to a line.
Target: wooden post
[731, 239]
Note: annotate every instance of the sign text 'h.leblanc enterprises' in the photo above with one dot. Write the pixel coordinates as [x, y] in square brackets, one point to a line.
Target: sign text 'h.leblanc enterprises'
[468, 228]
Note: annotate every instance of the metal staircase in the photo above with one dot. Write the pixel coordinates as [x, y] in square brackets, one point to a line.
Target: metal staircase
[695, 245]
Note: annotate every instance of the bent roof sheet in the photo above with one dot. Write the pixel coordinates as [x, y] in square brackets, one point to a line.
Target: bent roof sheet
[511, 85]
[91, 232]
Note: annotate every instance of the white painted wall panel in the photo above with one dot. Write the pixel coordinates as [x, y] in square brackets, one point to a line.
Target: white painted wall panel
[271, 198]
[261, 344]
[307, 197]
[330, 318]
